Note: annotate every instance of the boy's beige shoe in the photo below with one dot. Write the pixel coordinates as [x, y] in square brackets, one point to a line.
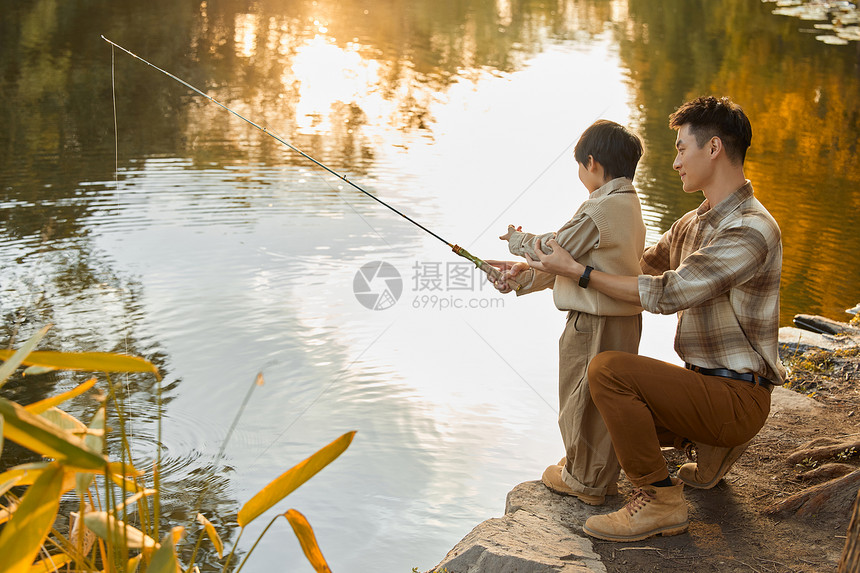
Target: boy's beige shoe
[551, 478]
[651, 511]
[712, 463]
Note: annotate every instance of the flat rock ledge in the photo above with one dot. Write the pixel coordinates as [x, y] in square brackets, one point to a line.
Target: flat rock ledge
[541, 532]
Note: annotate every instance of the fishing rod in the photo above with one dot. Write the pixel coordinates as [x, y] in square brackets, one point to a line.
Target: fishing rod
[491, 271]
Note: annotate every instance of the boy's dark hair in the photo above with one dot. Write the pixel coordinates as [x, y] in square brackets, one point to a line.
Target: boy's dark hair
[614, 146]
[709, 116]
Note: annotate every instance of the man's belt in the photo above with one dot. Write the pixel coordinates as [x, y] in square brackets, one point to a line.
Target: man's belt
[726, 373]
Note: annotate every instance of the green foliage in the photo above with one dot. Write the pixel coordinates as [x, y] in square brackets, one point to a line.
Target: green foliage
[77, 454]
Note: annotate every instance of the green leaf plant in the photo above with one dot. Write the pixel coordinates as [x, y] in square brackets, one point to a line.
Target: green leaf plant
[100, 537]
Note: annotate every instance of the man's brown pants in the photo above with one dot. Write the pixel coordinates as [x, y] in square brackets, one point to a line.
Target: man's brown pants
[647, 403]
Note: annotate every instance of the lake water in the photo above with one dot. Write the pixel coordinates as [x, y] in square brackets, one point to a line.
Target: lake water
[192, 239]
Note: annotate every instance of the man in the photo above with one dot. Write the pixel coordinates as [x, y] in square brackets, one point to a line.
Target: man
[718, 267]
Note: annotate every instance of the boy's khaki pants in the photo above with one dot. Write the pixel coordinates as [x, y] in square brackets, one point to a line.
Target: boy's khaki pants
[648, 403]
[591, 463]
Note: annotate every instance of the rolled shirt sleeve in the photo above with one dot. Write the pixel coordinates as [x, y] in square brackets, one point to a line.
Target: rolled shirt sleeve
[729, 260]
[577, 236]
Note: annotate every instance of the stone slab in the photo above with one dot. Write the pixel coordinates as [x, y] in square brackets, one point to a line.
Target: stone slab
[539, 533]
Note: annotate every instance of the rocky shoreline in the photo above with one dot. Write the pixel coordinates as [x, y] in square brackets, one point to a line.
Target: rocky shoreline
[542, 532]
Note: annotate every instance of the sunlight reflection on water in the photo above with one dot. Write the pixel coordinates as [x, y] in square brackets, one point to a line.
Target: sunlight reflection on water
[249, 267]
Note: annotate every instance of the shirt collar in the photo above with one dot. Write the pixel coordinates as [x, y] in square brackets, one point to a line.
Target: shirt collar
[617, 185]
[716, 215]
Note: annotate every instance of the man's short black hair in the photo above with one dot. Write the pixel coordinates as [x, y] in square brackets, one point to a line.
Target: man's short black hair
[721, 117]
[614, 146]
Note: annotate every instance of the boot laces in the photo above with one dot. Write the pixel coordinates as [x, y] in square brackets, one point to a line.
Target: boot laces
[639, 500]
[689, 448]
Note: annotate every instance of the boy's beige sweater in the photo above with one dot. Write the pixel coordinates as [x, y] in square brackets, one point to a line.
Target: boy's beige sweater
[606, 233]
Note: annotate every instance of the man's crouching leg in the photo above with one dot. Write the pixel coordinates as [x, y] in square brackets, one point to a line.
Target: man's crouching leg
[712, 463]
[622, 386]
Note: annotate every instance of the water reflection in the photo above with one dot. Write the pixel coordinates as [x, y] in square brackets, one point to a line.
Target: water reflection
[802, 99]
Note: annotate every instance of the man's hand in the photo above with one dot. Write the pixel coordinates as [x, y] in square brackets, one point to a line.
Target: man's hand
[511, 229]
[559, 262]
[509, 270]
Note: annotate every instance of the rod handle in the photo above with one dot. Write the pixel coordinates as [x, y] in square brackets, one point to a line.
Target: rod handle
[491, 271]
[496, 274]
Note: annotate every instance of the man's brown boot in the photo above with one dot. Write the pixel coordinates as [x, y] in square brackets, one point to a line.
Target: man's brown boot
[651, 511]
[712, 463]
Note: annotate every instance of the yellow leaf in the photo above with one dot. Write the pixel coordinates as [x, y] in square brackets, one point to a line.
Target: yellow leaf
[44, 405]
[80, 536]
[94, 441]
[126, 484]
[50, 564]
[27, 474]
[123, 469]
[305, 534]
[6, 513]
[212, 534]
[287, 482]
[34, 370]
[6, 485]
[178, 532]
[41, 436]
[65, 421]
[23, 535]
[98, 361]
[164, 560]
[115, 531]
[13, 359]
[132, 499]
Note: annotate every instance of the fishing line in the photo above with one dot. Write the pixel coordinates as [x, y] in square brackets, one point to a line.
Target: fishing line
[535, 180]
[509, 365]
[491, 271]
[320, 395]
[116, 189]
[280, 140]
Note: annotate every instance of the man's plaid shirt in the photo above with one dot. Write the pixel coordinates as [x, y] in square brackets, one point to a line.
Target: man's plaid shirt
[719, 269]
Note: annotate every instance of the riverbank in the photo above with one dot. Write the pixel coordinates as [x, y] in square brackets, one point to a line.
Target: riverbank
[762, 517]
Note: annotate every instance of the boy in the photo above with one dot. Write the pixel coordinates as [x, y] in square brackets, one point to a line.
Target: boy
[606, 232]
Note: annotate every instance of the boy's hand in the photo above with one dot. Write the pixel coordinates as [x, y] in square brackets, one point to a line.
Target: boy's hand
[509, 270]
[559, 262]
[511, 229]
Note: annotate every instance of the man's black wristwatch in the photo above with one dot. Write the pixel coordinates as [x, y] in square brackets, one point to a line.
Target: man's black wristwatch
[583, 280]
